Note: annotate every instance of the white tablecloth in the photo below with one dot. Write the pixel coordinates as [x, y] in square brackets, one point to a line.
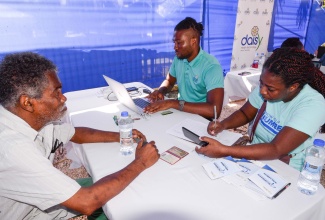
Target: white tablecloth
[181, 191]
[239, 87]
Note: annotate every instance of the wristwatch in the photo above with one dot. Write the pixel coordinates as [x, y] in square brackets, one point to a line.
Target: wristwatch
[181, 105]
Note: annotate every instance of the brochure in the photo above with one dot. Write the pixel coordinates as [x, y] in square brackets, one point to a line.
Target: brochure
[267, 182]
[241, 178]
[262, 180]
[221, 167]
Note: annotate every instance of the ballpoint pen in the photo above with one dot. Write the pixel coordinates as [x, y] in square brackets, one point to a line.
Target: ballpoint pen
[276, 195]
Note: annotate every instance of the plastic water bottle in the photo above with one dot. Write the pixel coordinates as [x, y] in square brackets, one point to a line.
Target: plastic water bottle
[261, 61]
[125, 124]
[309, 177]
[255, 61]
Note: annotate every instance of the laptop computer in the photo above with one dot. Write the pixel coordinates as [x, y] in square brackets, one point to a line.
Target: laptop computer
[123, 96]
[320, 52]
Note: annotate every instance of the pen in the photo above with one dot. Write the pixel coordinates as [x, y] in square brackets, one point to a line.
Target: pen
[276, 195]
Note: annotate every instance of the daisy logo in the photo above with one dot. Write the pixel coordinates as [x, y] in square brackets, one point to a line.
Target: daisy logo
[255, 39]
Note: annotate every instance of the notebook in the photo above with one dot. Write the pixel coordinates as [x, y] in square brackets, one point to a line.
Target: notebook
[123, 96]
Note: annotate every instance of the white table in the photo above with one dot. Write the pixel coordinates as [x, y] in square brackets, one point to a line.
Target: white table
[318, 64]
[239, 87]
[181, 191]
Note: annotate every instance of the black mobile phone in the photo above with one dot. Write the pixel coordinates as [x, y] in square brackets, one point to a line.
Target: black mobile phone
[244, 73]
[194, 137]
[131, 89]
[146, 91]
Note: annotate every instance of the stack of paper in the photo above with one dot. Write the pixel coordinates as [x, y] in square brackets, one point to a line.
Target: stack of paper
[242, 173]
[268, 182]
[221, 167]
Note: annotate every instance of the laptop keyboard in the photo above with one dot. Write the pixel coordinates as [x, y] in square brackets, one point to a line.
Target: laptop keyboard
[141, 102]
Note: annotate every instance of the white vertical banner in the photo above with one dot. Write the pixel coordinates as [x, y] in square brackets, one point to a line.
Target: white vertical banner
[252, 31]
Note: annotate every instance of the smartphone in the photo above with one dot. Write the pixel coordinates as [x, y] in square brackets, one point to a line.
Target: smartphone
[146, 91]
[131, 89]
[194, 137]
[166, 112]
[244, 73]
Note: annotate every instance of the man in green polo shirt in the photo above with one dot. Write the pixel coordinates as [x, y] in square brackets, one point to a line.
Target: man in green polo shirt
[198, 75]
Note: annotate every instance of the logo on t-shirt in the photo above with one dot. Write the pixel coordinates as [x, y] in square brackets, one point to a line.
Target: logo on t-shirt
[195, 79]
[270, 123]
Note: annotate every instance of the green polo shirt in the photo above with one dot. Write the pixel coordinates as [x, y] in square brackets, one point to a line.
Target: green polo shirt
[196, 78]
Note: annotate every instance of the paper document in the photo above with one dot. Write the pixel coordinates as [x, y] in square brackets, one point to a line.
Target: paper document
[221, 167]
[268, 182]
[200, 128]
[241, 178]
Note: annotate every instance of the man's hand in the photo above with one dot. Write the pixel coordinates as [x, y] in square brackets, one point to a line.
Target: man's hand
[147, 154]
[137, 136]
[88, 199]
[156, 96]
[161, 105]
[214, 128]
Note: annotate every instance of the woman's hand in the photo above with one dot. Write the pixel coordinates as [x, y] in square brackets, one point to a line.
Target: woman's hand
[214, 128]
[213, 149]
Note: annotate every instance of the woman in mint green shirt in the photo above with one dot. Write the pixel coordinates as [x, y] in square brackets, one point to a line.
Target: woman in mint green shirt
[294, 93]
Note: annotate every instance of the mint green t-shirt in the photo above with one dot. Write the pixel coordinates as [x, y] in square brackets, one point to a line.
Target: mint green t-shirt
[198, 77]
[304, 113]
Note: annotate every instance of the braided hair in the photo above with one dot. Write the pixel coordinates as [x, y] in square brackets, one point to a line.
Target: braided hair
[188, 23]
[294, 66]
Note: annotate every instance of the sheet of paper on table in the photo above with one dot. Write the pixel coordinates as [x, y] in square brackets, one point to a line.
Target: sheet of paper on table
[241, 181]
[268, 182]
[221, 167]
[225, 137]
[260, 182]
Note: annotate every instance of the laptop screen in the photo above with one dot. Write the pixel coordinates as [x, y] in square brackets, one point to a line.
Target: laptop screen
[122, 95]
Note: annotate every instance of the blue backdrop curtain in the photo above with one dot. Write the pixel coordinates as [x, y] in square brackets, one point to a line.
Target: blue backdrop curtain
[127, 40]
[290, 19]
[303, 19]
[315, 32]
[131, 40]
[220, 20]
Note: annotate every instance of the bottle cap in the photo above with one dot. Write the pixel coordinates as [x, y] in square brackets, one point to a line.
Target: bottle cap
[319, 142]
[124, 114]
